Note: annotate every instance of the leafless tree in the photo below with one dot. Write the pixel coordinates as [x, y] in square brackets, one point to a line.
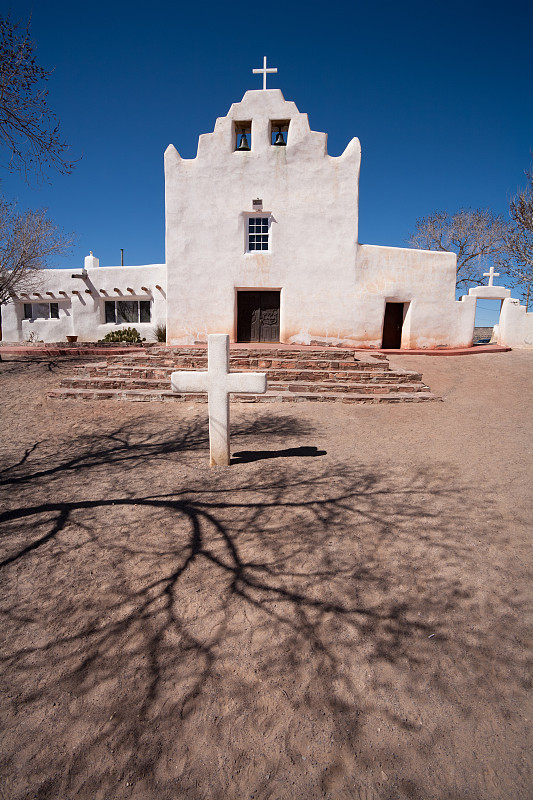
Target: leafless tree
[476, 236]
[517, 259]
[29, 131]
[27, 242]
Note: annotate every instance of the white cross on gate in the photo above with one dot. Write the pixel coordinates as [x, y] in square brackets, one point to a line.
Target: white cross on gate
[218, 382]
[491, 275]
[264, 72]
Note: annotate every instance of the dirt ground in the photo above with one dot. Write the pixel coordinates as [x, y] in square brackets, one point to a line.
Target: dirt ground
[342, 613]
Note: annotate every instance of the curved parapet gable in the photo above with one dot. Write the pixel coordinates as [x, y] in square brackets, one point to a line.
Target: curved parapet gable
[172, 157]
[172, 152]
[260, 109]
[352, 152]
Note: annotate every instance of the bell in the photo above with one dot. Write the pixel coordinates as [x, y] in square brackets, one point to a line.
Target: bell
[243, 144]
[280, 141]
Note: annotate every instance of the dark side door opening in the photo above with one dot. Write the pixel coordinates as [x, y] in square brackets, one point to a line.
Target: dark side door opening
[392, 326]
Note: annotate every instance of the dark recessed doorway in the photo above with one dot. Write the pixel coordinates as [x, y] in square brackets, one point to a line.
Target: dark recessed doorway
[258, 316]
[392, 326]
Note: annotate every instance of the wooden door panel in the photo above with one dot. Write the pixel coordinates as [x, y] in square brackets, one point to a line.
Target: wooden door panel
[269, 317]
[255, 327]
[246, 305]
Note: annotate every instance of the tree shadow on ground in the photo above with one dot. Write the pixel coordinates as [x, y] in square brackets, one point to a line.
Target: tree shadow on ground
[234, 636]
[131, 446]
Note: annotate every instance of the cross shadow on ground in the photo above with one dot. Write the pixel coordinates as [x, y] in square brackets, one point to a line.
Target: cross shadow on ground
[248, 456]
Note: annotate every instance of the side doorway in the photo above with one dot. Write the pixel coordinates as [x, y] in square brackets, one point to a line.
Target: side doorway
[392, 326]
[258, 316]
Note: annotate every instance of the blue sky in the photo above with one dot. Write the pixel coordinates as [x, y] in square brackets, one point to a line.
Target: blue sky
[438, 93]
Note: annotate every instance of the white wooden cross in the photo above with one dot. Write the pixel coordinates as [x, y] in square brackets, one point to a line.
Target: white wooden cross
[218, 382]
[264, 71]
[491, 275]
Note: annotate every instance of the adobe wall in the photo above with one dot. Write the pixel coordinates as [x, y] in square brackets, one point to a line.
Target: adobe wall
[81, 303]
[421, 278]
[312, 199]
[516, 325]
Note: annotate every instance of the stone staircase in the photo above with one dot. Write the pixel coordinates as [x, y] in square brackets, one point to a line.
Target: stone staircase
[293, 375]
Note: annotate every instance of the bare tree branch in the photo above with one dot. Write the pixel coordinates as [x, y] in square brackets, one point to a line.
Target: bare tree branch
[517, 258]
[28, 242]
[476, 236]
[29, 131]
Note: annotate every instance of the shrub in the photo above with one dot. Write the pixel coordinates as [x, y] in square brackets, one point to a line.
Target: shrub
[124, 335]
[159, 333]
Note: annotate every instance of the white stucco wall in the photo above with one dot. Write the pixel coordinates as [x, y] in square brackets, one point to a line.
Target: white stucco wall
[81, 303]
[516, 325]
[426, 281]
[312, 198]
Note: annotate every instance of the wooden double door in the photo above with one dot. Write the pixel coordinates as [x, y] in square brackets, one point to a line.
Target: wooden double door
[258, 316]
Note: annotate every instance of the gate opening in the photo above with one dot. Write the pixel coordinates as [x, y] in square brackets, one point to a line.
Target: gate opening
[487, 316]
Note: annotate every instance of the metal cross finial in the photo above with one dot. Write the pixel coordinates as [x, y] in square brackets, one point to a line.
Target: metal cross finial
[264, 72]
[491, 275]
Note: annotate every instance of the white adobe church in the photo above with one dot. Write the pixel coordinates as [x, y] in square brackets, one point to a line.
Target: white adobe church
[262, 243]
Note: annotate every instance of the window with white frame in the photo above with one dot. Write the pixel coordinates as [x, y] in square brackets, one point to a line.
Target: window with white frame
[119, 311]
[258, 233]
[41, 311]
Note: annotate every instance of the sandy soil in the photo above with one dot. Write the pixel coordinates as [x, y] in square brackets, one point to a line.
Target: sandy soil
[343, 613]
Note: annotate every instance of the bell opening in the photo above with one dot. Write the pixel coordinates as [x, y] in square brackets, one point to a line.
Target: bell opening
[243, 136]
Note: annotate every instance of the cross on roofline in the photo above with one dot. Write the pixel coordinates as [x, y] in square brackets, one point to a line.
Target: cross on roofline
[491, 275]
[264, 72]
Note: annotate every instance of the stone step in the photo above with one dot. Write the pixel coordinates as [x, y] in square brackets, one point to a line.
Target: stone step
[237, 364]
[357, 387]
[293, 376]
[146, 395]
[162, 374]
[348, 388]
[343, 353]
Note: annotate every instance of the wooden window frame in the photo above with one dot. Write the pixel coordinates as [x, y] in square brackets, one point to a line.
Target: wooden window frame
[112, 304]
[32, 316]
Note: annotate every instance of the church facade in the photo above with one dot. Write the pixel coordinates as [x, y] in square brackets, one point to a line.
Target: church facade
[262, 244]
